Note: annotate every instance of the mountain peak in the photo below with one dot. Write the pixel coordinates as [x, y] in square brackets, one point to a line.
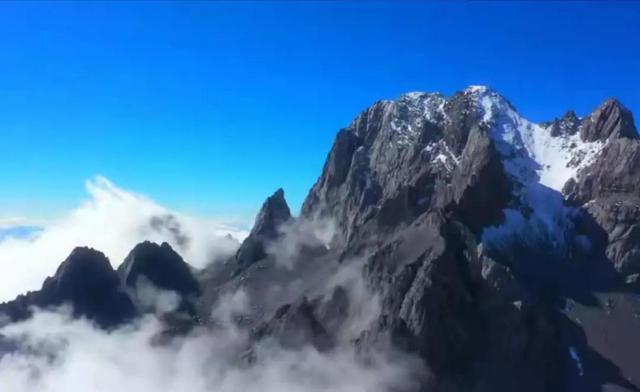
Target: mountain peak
[86, 281]
[161, 265]
[273, 214]
[83, 269]
[610, 120]
[478, 89]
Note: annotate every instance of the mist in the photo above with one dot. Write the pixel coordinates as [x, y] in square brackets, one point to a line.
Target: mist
[61, 354]
[112, 220]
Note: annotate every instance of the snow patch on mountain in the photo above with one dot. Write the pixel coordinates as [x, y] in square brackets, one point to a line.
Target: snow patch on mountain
[410, 112]
[539, 165]
[531, 152]
[538, 158]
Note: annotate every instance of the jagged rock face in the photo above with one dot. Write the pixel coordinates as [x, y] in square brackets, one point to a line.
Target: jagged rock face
[401, 158]
[294, 326]
[86, 281]
[396, 159]
[481, 188]
[609, 191]
[612, 174]
[609, 187]
[610, 120]
[461, 312]
[405, 170]
[161, 266]
[475, 230]
[567, 125]
[273, 214]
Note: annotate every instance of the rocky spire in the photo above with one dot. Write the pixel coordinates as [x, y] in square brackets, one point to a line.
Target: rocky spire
[272, 215]
[567, 125]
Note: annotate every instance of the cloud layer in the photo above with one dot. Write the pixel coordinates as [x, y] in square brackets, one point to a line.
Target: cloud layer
[52, 352]
[113, 221]
[60, 354]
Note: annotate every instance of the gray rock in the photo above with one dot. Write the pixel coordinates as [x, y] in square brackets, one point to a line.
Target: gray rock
[569, 124]
[610, 120]
[609, 188]
[273, 214]
[86, 282]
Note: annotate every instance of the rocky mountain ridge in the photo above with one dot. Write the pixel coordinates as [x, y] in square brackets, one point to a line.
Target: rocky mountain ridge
[494, 248]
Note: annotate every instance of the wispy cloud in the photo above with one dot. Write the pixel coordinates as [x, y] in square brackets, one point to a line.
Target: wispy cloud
[60, 354]
[112, 220]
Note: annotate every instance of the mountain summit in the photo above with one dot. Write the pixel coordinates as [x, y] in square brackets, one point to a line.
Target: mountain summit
[501, 253]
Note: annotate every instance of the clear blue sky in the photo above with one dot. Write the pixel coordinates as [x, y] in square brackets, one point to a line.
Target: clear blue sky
[209, 107]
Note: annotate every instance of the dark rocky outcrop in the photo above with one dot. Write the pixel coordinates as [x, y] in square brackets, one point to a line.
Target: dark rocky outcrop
[164, 269]
[273, 214]
[464, 314]
[481, 188]
[86, 281]
[161, 265]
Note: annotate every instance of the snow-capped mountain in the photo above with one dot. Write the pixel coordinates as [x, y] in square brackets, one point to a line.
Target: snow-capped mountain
[497, 253]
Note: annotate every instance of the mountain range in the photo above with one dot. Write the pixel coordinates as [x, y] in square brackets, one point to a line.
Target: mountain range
[499, 253]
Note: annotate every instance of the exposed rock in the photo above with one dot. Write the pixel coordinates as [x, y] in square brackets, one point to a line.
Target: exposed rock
[273, 214]
[609, 189]
[620, 220]
[163, 268]
[455, 308]
[613, 173]
[161, 265]
[610, 121]
[86, 281]
[569, 124]
[481, 188]
[294, 326]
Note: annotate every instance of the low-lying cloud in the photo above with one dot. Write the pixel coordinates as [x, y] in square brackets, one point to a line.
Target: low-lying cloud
[113, 221]
[60, 354]
[53, 352]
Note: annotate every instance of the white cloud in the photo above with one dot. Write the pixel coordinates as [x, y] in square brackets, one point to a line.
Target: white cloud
[113, 221]
[298, 234]
[61, 354]
[19, 221]
[66, 355]
[151, 298]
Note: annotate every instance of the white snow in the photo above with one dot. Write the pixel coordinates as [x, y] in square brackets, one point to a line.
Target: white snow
[444, 160]
[414, 95]
[539, 164]
[548, 157]
[451, 154]
[422, 107]
[477, 89]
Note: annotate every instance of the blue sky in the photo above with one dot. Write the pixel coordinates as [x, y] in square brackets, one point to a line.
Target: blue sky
[208, 107]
